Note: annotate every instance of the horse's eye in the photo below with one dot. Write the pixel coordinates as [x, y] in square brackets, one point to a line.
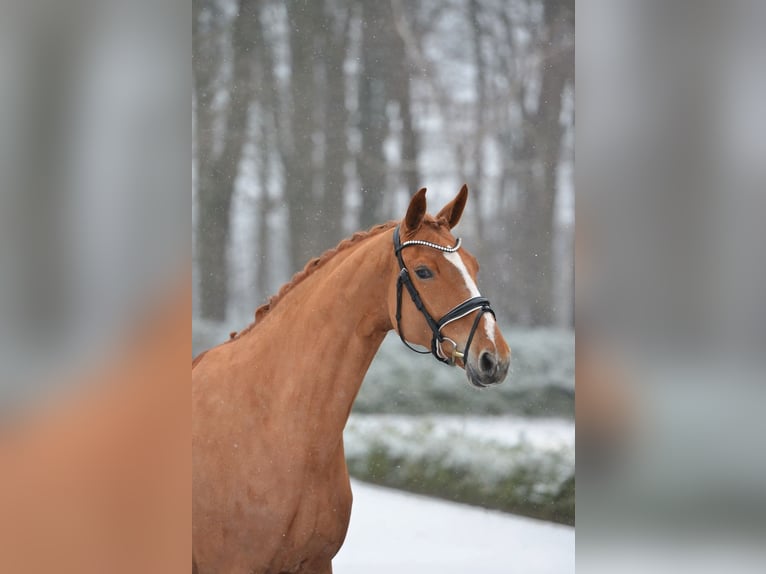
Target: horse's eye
[424, 272]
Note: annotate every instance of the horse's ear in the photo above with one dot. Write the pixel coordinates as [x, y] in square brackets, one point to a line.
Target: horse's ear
[454, 209]
[416, 211]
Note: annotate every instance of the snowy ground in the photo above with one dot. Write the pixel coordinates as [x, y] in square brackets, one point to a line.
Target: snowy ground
[542, 433]
[395, 532]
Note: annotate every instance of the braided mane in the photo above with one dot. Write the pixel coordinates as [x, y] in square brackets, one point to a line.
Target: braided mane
[309, 269]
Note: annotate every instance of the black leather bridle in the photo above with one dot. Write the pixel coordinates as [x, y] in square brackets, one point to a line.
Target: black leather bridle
[480, 304]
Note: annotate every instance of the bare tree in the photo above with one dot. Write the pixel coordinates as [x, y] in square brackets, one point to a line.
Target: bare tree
[480, 121]
[400, 70]
[320, 80]
[372, 123]
[536, 152]
[269, 142]
[218, 165]
[298, 152]
[337, 19]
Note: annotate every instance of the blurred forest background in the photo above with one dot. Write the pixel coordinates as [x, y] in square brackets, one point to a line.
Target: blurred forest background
[314, 119]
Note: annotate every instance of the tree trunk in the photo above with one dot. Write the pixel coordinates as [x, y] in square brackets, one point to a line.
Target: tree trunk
[480, 121]
[218, 174]
[263, 209]
[371, 163]
[298, 158]
[337, 20]
[535, 227]
[212, 241]
[270, 140]
[400, 68]
[409, 140]
[210, 232]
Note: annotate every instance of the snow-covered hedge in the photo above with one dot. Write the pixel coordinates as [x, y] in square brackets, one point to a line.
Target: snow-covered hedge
[540, 383]
[530, 474]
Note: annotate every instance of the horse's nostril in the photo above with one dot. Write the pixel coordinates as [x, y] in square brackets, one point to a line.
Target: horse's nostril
[487, 362]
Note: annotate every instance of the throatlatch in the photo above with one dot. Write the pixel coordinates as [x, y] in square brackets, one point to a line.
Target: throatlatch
[480, 304]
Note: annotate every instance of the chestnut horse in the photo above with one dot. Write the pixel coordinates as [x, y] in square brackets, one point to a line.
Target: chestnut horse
[271, 491]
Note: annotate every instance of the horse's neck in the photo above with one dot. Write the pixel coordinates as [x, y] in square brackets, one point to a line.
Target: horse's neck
[329, 328]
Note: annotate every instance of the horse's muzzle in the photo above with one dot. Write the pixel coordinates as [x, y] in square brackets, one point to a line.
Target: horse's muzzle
[490, 370]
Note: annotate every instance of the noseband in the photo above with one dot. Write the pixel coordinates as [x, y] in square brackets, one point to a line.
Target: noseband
[465, 308]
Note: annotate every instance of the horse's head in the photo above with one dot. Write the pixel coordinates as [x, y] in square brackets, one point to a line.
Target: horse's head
[436, 274]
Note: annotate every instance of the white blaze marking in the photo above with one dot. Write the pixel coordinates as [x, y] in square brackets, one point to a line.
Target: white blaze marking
[489, 326]
[473, 290]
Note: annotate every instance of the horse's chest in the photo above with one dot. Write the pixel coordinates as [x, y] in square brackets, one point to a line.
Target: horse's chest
[318, 525]
[323, 511]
